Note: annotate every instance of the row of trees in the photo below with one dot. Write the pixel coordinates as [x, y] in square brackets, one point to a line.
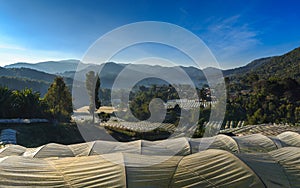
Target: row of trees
[56, 105]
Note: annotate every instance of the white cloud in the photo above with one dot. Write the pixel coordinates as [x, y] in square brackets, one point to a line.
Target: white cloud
[12, 53]
[229, 39]
[11, 47]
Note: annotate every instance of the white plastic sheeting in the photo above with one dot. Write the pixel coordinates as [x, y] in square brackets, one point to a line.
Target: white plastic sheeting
[177, 146]
[209, 168]
[289, 139]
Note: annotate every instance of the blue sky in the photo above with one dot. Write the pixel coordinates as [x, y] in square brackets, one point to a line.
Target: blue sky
[235, 31]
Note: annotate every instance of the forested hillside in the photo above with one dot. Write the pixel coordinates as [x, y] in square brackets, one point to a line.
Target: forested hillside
[22, 78]
[16, 83]
[266, 90]
[284, 66]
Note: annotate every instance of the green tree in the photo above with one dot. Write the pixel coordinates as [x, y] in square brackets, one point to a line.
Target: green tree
[5, 102]
[297, 114]
[92, 84]
[59, 100]
[26, 104]
[97, 87]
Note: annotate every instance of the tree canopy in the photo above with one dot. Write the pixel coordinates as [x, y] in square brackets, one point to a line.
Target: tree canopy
[59, 100]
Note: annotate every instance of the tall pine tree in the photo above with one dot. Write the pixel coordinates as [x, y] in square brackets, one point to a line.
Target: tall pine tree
[59, 100]
[92, 85]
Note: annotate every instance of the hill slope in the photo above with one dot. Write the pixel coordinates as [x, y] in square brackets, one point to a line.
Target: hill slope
[284, 66]
[52, 67]
[21, 78]
[15, 83]
[110, 71]
[30, 74]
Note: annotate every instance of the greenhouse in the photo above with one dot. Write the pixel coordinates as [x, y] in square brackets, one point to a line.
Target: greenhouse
[220, 161]
[209, 168]
[176, 146]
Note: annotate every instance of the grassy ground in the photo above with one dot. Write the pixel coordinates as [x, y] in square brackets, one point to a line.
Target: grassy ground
[37, 134]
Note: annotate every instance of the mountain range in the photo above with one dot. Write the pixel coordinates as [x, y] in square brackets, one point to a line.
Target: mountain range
[40, 75]
[109, 72]
[51, 67]
[284, 66]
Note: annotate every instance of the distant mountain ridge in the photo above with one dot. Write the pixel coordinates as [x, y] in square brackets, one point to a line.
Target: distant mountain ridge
[32, 74]
[287, 65]
[247, 68]
[52, 67]
[21, 78]
[283, 66]
[16, 83]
